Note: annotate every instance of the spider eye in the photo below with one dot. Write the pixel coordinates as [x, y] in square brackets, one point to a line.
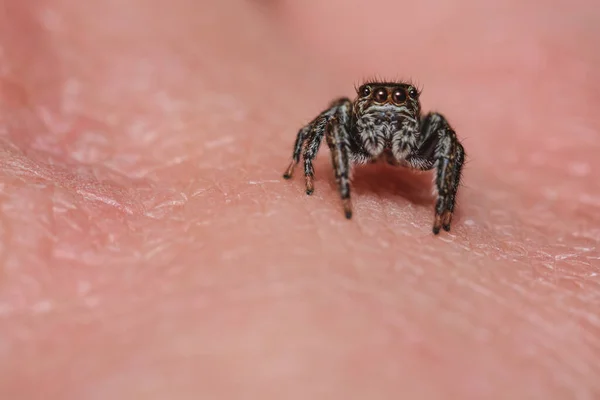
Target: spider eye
[399, 96]
[412, 92]
[381, 95]
[365, 91]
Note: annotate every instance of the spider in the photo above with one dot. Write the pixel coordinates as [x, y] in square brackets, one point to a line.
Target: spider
[384, 124]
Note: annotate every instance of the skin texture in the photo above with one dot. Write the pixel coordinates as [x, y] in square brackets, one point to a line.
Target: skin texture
[149, 247]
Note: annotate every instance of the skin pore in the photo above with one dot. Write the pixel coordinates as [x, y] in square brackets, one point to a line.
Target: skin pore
[151, 249]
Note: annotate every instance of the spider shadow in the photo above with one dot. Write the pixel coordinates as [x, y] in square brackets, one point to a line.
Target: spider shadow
[390, 182]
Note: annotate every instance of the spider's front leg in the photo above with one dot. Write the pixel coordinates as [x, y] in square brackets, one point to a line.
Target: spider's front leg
[308, 141]
[439, 148]
[339, 146]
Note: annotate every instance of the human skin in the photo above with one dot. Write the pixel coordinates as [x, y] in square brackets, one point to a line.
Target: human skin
[151, 249]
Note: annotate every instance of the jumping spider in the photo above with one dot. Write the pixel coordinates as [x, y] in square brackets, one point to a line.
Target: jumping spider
[384, 123]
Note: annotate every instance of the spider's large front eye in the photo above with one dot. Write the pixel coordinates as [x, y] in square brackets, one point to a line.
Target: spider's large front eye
[399, 96]
[365, 91]
[381, 95]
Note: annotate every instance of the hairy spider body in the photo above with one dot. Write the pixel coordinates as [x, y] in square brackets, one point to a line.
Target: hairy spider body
[384, 123]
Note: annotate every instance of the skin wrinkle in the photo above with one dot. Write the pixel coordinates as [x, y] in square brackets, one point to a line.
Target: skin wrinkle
[182, 293]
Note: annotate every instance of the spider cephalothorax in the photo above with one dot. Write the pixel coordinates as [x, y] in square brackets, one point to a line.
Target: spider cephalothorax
[384, 123]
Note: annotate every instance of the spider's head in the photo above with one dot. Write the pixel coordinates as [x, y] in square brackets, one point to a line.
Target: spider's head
[388, 98]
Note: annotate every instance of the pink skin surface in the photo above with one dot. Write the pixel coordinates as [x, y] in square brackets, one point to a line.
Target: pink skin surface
[149, 247]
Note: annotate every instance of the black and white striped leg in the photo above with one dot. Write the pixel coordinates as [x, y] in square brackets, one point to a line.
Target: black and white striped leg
[448, 171]
[458, 153]
[300, 138]
[337, 140]
[440, 149]
[308, 141]
[313, 142]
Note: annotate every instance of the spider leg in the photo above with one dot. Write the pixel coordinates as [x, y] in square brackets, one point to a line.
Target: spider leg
[308, 141]
[311, 148]
[439, 148]
[300, 137]
[339, 146]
